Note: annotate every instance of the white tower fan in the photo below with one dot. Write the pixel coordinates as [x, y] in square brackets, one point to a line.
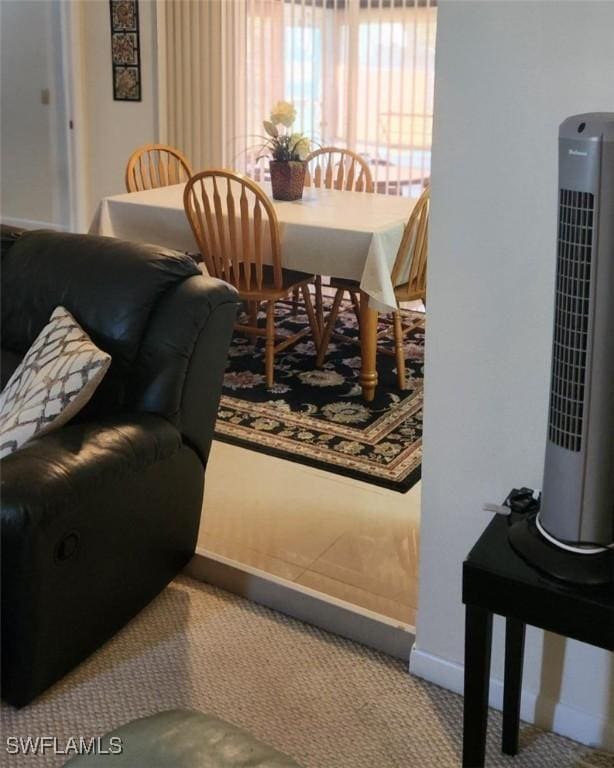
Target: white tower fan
[572, 535]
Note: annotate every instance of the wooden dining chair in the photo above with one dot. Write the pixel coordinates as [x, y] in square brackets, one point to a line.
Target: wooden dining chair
[335, 168]
[156, 165]
[236, 228]
[408, 277]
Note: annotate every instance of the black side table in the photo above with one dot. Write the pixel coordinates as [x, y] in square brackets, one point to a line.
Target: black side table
[497, 580]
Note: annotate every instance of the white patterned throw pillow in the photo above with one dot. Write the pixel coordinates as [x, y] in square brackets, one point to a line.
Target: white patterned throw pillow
[53, 382]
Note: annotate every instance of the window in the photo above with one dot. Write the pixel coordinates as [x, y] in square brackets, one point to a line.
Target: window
[359, 72]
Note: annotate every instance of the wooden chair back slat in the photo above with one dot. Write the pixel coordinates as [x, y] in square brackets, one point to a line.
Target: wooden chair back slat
[233, 242]
[225, 261]
[350, 174]
[418, 263]
[151, 169]
[258, 242]
[328, 178]
[174, 172]
[411, 260]
[144, 169]
[205, 248]
[144, 178]
[210, 233]
[246, 238]
[364, 183]
[336, 168]
[156, 165]
[239, 260]
[163, 169]
[341, 175]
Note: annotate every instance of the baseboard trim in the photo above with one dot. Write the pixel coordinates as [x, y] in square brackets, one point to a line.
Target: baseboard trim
[565, 720]
[336, 616]
[33, 224]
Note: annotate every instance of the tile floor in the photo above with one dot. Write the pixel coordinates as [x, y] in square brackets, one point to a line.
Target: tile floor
[342, 537]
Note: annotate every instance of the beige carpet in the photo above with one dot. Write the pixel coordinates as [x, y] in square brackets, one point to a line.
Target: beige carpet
[328, 702]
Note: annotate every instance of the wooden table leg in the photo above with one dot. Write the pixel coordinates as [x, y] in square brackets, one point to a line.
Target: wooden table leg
[512, 685]
[368, 347]
[478, 637]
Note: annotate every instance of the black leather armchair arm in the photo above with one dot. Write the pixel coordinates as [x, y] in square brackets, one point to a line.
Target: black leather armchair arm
[181, 364]
[96, 520]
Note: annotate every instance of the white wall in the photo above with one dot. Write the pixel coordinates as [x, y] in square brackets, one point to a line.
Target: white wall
[33, 154]
[507, 73]
[35, 164]
[113, 129]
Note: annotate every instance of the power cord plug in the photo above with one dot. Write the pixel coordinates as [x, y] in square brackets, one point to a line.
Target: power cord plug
[523, 500]
[518, 500]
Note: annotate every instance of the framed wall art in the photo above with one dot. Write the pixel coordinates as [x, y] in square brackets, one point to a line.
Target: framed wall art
[125, 50]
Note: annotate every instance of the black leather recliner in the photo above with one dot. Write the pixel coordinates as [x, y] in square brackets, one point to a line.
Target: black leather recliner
[98, 516]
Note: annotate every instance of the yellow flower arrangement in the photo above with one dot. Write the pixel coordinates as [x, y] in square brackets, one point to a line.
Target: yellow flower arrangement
[282, 144]
[283, 113]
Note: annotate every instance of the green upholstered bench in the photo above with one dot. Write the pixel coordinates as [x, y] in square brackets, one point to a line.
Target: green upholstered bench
[182, 738]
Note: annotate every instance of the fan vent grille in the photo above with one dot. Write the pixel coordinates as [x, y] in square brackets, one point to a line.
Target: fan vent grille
[571, 318]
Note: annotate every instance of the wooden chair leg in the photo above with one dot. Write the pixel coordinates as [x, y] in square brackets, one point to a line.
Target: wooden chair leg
[356, 305]
[313, 322]
[253, 320]
[319, 302]
[398, 349]
[329, 327]
[295, 301]
[270, 344]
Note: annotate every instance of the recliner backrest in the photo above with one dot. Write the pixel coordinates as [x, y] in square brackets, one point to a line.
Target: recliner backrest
[112, 287]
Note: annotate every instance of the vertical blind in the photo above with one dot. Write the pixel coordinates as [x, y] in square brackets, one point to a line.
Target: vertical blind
[359, 72]
[195, 56]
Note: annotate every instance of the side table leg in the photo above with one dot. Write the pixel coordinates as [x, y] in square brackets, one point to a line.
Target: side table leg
[478, 637]
[512, 685]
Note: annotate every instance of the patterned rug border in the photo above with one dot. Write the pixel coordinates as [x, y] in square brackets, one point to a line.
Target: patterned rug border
[400, 486]
[371, 435]
[402, 463]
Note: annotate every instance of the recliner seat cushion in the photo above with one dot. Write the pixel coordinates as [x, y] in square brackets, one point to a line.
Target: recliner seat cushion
[70, 466]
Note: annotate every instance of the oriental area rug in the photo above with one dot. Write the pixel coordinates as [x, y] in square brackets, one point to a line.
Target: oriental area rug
[317, 416]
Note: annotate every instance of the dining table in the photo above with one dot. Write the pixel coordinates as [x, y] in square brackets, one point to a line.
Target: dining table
[342, 234]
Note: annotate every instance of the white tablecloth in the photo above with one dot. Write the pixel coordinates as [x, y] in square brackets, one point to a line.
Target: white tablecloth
[344, 234]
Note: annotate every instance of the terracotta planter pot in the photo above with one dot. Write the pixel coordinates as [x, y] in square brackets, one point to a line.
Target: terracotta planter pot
[287, 179]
